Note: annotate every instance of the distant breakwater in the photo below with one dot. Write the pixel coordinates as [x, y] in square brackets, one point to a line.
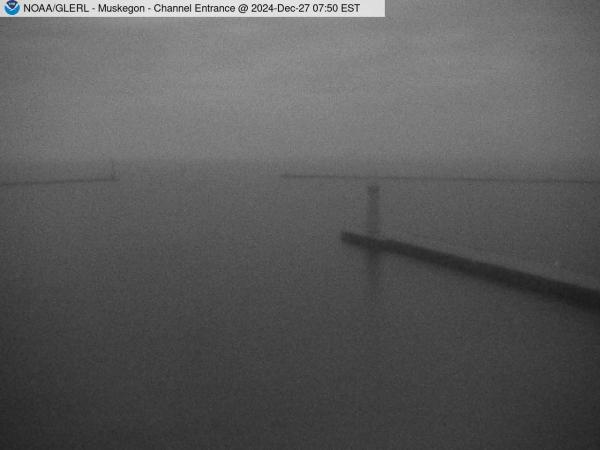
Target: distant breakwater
[443, 179]
[58, 181]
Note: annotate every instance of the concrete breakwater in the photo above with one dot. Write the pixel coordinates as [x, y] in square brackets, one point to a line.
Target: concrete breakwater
[535, 277]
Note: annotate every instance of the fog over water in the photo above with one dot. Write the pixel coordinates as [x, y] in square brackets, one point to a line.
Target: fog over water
[214, 306]
[471, 85]
[194, 298]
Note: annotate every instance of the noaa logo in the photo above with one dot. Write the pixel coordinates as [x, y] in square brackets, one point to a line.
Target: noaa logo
[12, 7]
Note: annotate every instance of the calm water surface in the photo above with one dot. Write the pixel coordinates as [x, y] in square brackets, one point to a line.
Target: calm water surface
[213, 306]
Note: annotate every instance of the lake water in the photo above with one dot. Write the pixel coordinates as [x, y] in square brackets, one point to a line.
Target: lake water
[214, 306]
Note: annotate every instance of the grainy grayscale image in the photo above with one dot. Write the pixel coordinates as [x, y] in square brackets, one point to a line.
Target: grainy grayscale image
[302, 233]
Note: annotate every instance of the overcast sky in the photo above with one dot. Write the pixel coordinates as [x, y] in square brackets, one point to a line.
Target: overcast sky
[452, 81]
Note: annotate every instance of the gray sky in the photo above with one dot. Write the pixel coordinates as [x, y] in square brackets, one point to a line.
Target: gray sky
[485, 82]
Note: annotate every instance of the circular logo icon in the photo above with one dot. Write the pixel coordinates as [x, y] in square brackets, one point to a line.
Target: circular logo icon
[12, 7]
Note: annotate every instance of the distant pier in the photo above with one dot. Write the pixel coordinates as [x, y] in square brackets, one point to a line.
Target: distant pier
[96, 179]
[530, 276]
[332, 176]
[60, 181]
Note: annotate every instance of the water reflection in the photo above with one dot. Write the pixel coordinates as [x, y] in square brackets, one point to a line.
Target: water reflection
[373, 271]
[371, 362]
